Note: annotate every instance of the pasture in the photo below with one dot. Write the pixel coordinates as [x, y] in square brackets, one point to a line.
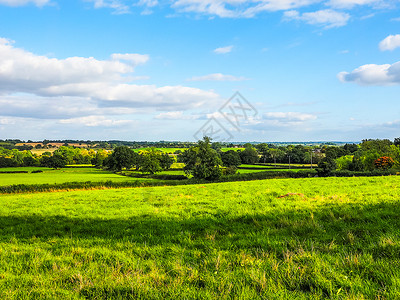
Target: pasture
[52, 176]
[316, 238]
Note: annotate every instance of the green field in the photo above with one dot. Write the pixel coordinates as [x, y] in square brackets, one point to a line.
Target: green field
[51, 176]
[84, 174]
[318, 238]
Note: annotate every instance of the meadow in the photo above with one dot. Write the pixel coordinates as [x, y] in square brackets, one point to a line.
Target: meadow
[84, 173]
[53, 176]
[314, 238]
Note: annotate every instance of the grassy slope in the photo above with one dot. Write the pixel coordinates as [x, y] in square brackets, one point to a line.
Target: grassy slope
[339, 239]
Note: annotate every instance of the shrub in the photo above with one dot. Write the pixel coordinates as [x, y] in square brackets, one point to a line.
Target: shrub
[384, 163]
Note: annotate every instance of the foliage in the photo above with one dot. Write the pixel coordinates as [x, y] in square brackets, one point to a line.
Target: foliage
[230, 170]
[343, 163]
[230, 158]
[249, 155]
[121, 157]
[153, 161]
[202, 161]
[55, 161]
[326, 166]
[384, 162]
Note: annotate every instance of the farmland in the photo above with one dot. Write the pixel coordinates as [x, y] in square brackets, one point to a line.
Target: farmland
[51, 176]
[281, 238]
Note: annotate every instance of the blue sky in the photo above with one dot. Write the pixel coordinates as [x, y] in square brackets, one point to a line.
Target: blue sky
[161, 69]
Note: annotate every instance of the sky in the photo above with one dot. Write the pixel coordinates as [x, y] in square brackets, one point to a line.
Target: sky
[235, 70]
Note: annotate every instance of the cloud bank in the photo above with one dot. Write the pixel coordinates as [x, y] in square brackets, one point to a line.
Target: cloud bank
[41, 87]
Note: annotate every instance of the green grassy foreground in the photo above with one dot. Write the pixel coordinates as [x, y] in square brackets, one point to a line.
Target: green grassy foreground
[336, 238]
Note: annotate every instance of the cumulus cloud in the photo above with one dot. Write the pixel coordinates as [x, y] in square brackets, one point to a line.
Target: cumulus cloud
[223, 50]
[372, 74]
[327, 18]
[390, 43]
[37, 86]
[340, 4]
[24, 2]
[217, 77]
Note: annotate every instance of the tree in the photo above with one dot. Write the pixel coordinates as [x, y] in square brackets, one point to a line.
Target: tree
[55, 161]
[384, 163]
[166, 161]
[326, 166]
[263, 150]
[351, 148]
[396, 142]
[30, 161]
[356, 164]
[344, 162]
[249, 156]
[99, 158]
[231, 158]
[122, 157]
[202, 161]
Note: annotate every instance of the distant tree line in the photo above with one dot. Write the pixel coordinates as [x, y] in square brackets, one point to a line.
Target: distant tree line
[206, 160]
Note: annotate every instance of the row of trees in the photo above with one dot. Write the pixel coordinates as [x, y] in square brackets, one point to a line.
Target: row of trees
[373, 154]
[147, 161]
[59, 158]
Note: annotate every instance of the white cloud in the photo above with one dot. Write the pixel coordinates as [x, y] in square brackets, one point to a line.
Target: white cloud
[247, 8]
[24, 71]
[340, 4]
[134, 59]
[148, 3]
[289, 116]
[95, 121]
[390, 43]
[237, 8]
[372, 74]
[223, 50]
[217, 77]
[24, 2]
[175, 115]
[41, 87]
[117, 5]
[327, 18]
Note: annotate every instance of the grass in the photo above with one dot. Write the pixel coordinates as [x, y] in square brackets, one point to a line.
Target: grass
[51, 176]
[317, 238]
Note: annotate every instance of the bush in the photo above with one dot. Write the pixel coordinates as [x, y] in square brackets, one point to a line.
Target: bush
[384, 163]
[229, 170]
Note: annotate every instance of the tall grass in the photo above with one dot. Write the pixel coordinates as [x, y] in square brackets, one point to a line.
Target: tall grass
[316, 238]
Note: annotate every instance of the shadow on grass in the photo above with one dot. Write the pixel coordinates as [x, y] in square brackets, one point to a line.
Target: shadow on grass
[357, 227]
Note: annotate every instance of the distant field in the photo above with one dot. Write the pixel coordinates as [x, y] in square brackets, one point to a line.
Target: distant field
[166, 150]
[84, 173]
[51, 176]
[318, 238]
[41, 151]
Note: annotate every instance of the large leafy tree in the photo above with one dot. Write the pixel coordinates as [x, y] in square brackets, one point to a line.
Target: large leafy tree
[249, 155]
[202, 161]
[122, 157]
[231, 158]
[153, 161]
